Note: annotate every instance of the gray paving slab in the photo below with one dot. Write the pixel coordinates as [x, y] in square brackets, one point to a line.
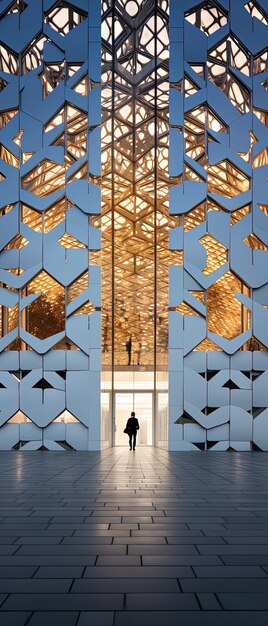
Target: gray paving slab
[59, 572]
[16, 618]
[126, 585]
[96, 619]
[61, 618]
[191, 618]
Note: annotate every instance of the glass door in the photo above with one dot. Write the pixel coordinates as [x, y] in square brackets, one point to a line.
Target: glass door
[140, 402]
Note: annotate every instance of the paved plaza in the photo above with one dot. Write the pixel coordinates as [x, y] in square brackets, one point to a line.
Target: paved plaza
[121, 538]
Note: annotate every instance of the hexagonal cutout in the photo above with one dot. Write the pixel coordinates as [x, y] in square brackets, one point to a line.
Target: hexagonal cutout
[46, 315]
[225, 179]
[254, 10]
[226, 316]
[217, 254]
[45, 178]
[64, 18]
[207, 17]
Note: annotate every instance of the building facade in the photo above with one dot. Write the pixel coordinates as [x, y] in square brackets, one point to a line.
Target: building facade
[133, 223]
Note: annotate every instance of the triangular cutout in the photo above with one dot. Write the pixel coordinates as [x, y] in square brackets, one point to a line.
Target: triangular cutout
[207, 345]
[256, 448]
[199, 445]
[255, 375]
[198, 69]
[247, 374]
[264, 208]
[82, 86]
[65, 446]
[68, 241]
[211, 444]
[258, 410]
[253, 242]
[2, 386]
[61, 373]
[42, 384]
[25, 373]
[17, 7]
[185, 418]
[3, 84]
[230, 384]
[208, 409]
[185, 309]
[87, 309]
[16, 374]
[239, 214]
[190, 88]
[211, 374]
[19, 418]
[66, 417]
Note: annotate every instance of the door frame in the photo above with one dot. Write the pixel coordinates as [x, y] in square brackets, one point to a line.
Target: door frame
[132, 392]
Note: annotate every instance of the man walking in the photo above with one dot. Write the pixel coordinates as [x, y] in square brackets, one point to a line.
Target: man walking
[132, 427]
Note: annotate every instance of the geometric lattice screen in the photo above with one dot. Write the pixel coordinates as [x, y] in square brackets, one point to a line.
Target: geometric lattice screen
[50, 201]
[219, 287]
[49, 169]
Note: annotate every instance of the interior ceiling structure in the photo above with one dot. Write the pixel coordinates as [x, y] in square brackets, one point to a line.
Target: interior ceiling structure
[135, 220]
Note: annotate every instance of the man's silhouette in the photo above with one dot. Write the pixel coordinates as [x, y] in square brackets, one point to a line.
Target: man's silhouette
[128, 349]
[132, 427]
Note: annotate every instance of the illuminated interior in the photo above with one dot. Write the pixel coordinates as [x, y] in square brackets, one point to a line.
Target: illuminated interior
[135, 221]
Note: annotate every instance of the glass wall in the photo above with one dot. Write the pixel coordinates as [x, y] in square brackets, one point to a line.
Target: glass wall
[135, 221]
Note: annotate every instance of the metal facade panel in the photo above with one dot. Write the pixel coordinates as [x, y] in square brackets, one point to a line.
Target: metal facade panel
[218, 292]
[49, 164]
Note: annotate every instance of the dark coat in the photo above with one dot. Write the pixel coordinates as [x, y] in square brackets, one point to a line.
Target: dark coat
[132, 425]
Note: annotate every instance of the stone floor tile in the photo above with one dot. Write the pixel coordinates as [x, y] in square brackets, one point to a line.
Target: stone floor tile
[191, 618]
[15, 618]
[208, 602]
[229, 572]
[95, 619]
[33, 585]
[126, 585]
[138, 572]
[185, 559]
[161, 602]
[118, 560]
[233, 585]
[59, 618]
[17, 572]
[244, 601]
[64, 602]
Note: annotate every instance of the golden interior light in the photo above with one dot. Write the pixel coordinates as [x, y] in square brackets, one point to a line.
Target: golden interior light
[253, 242]
[226, 179]
[44, 179]
[185, 309]
[135, 220]
[46, 315]
[224, 311]
[216, 254]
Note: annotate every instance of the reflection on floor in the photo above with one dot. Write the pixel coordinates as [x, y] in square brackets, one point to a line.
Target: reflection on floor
[118, 538]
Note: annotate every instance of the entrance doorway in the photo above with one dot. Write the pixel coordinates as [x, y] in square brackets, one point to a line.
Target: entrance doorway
[142, 403]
